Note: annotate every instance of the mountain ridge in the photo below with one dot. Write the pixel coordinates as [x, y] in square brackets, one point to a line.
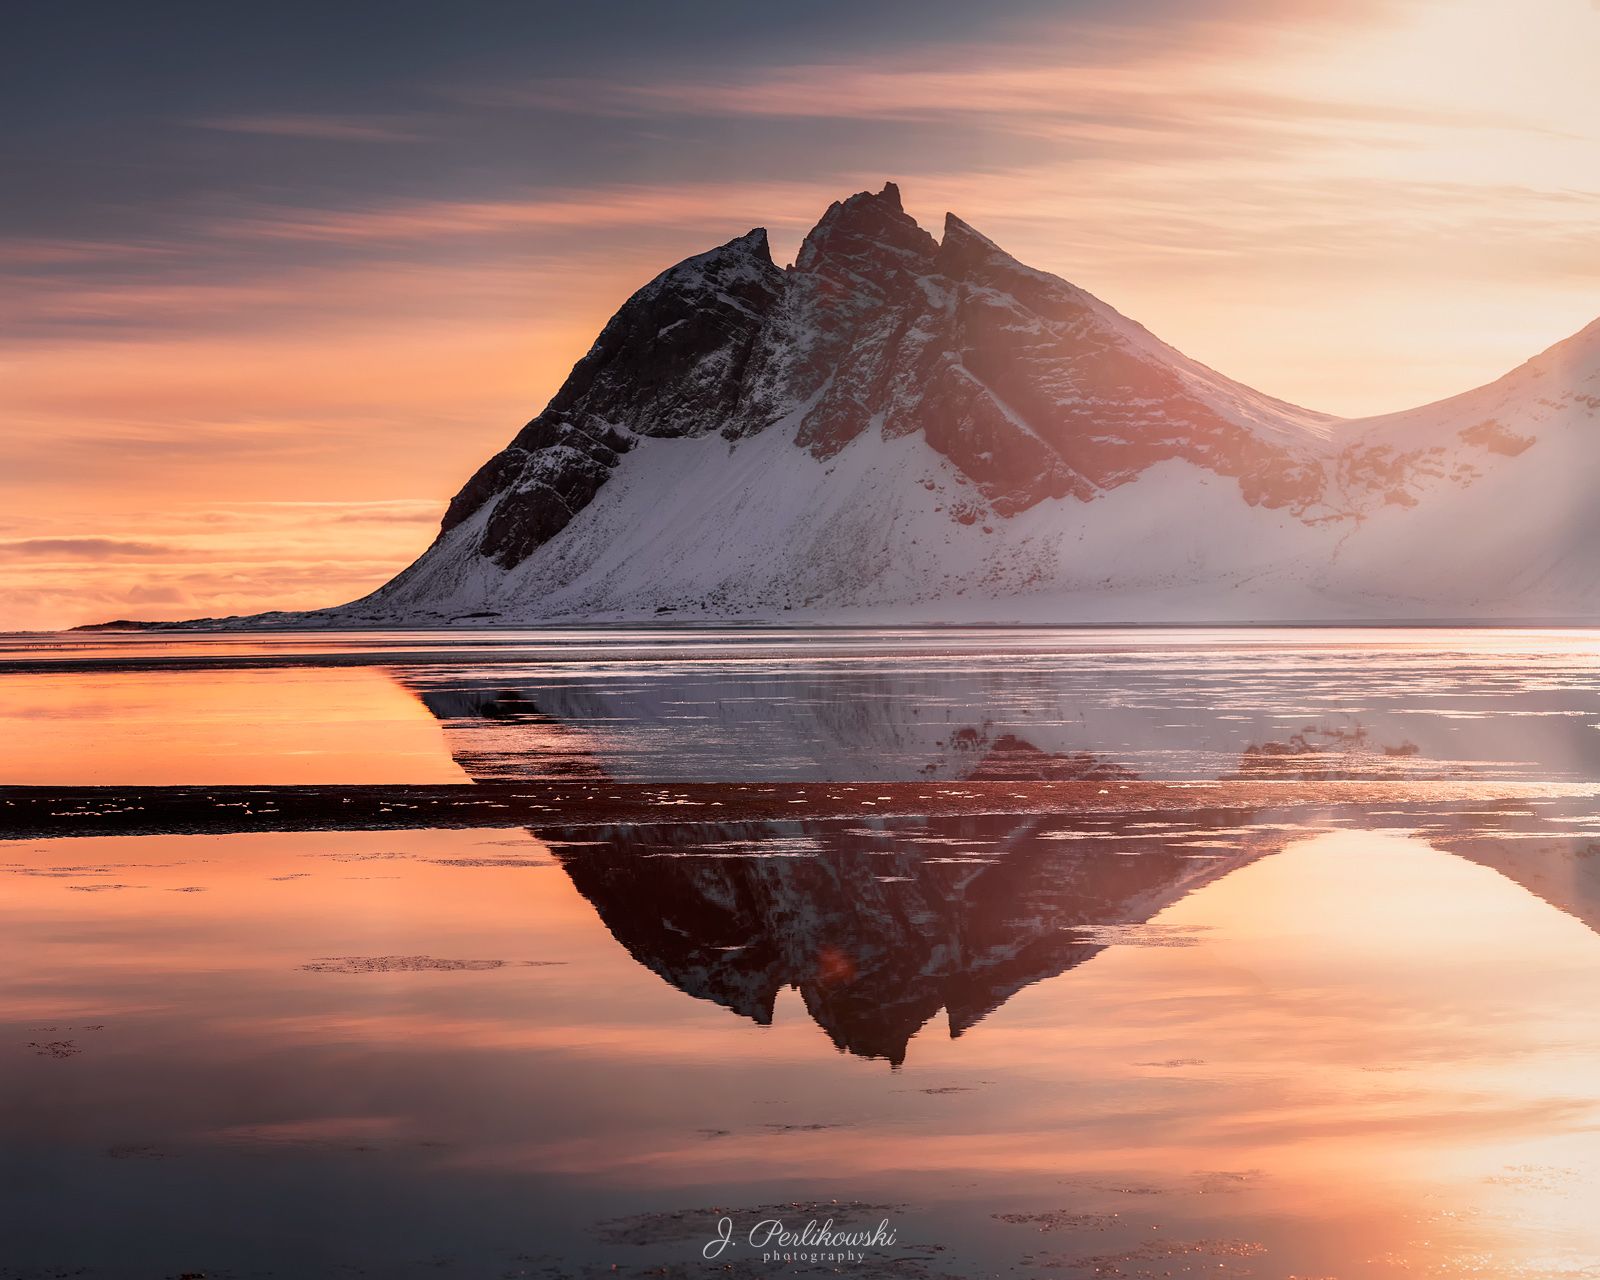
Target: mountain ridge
[902, 428]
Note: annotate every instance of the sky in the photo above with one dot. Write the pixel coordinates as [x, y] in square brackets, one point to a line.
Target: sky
[275, 279]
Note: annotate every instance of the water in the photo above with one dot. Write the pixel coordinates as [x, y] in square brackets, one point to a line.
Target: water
[651, 706]
[1269, 1039]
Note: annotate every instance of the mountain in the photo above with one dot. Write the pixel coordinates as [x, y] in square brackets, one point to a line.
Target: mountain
[899, 427]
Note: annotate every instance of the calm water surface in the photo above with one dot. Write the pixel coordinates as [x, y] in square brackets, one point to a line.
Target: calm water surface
[1249, 1042]
[648, 706]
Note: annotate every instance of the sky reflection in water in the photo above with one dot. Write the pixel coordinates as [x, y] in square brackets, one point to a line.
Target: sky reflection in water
[836, 706]
[1270, 1044]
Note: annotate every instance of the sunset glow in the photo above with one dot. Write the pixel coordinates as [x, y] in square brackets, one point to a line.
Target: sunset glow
[847, 639]
[257, 334]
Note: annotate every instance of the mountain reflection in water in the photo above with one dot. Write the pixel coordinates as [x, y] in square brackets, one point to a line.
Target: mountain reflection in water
[879, 927]
[1165, 711]
[1280, 1034]
[1216, 1043]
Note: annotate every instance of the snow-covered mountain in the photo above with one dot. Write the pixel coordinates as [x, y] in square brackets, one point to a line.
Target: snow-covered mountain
[898, 427]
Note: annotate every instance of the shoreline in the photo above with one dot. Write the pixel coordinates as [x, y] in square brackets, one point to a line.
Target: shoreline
[35, 812]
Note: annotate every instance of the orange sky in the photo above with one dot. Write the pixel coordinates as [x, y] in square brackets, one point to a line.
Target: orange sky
[248, 394]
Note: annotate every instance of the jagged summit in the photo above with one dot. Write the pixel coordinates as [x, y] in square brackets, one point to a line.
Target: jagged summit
[899, 426]
[964, 247]
[870, 230]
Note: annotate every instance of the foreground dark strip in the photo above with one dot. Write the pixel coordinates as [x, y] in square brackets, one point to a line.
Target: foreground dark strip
[35, 812]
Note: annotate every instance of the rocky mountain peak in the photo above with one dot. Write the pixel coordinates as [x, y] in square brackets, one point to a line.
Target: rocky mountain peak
[968, 256]
[962, 242]
[753, 241]
[900, 421]
[671, 362]
[859, 239]
[742, 265]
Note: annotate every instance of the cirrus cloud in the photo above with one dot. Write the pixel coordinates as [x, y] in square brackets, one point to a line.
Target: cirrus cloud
[90, 548]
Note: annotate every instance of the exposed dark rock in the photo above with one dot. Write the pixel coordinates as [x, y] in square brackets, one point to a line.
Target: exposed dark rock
[1012, 390]
[1031, 387]
[670, 363]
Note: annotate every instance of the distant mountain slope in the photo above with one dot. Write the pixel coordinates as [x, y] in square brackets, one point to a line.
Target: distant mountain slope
[902, 428]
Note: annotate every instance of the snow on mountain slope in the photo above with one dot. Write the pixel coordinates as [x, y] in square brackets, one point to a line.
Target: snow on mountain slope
[919, 429]
[1491, 511]
[761, 526]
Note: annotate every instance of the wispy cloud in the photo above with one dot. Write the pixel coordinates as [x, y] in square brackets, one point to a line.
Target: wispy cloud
[591, 208]
[322, 128]
[1011, 86]
[82, 548]
[429, 514]
[154, 593]
[1356, 204]
[47, 252]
